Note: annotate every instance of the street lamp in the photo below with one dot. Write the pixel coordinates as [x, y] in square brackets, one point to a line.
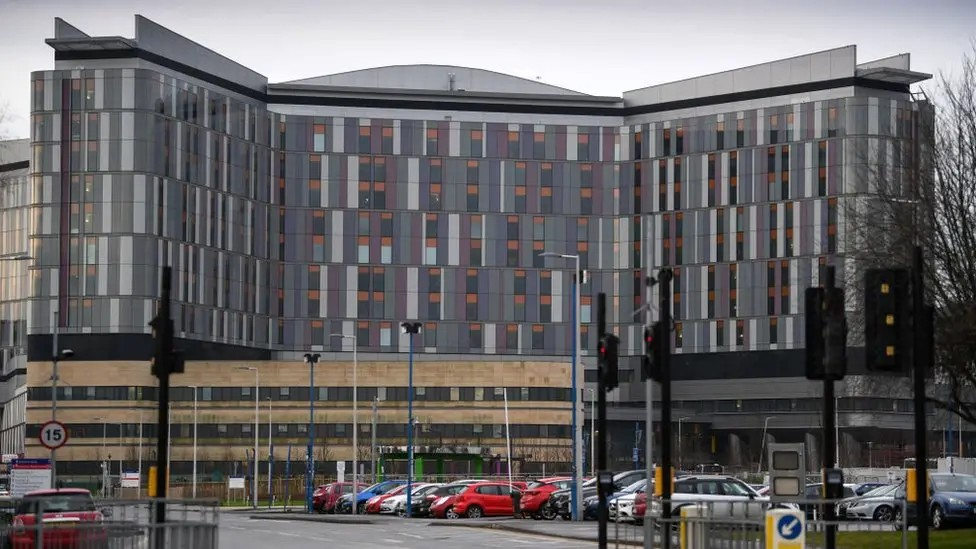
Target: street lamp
[102, 454]
[411, 329]
[257, 402]
[762, 446]
[680, 419]
[270, 453]
[194, 493]
[577, 487]
[310, 359]
[355, 420]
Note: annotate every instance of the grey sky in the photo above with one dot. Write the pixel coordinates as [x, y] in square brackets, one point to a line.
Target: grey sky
[601, 47]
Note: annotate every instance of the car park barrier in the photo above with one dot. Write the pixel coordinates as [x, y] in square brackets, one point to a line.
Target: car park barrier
[758, 524]
[118, 525]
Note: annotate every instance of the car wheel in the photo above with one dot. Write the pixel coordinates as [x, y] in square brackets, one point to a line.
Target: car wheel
[883, 514]
[474, 512]
[898, 517]
[361, 508]
[547, 512]
[401, 512]
[938, 518]
[451, 514]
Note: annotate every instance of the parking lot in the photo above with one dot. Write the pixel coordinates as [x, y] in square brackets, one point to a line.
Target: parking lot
[239, 530]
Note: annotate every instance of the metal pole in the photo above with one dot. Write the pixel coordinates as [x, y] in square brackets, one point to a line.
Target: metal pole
[139, 490]
[508, 439]
[410, 425]
[355, 424]
[665, 307]
[830, 443]
[921, 452]
[837, 430]
[104, 461]
[54, 395]
[311, 359]
[649, 427]
[372, 444]
[762, 444]
[577, 397]
[270, 451]
[602, 509]
[194, 494]
[169, 447]
[257, 405]
[592, 432]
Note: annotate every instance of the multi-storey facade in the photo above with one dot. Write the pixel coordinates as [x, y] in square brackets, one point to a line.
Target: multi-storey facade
[348, 203]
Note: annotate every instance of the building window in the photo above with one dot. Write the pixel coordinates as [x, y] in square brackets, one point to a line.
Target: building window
[386, 142]
[538, 337]
[432, 143]
[513, 145]
[740, 133]
[720, 135]
[773, 331]
[583, 147]
[733, 178]
[822, 168]
[720, 333]
[740, 333]
[538, 145]
[720, 235]
[677, 183]
[318, 137]
[430, 334]
[676, 284]
[831, 225]
[474, 337]
[773, 230]
[679, 335]
[784, 280]
[364, 140]
[733, 290]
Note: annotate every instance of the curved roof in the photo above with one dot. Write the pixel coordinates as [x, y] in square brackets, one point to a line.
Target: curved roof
[434, 78]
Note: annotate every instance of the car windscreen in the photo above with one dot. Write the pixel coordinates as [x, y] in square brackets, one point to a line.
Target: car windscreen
[954, 483]
[881, 491]
[56, 503]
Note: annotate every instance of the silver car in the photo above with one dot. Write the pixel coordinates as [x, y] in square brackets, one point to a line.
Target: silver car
[882, 504]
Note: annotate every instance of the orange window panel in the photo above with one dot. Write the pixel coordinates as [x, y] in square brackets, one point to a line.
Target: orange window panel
[585, 246]
[435, 188]
[733, 294]
[377, 296]
[476, 134]
[734, 181]
[472, 189]
[435, 297]
[387, 132]
[546, 191]
[586, 167]
[435, 161]
[475, 327]
[364, 131]
[314, 268]
[667, 244]
[546, 166]
[738, 236]
[720, 238]
[386, 241]
[364, 160]
[586, 193]
[513, 244]
[677, 297]
[318, 239]
[511, 328]
[771, 292]
[362, 240]
[432, 134]
[519, 191]
[317, 324]
[281, 183]
[364, 185]
[638, 137]
[832, 229]
[318, 128]
[314, 184]
[711, 184]
[362, 296]
[711, 295]
[313, 294]
[789, 232]
[583, 138]
[318, 214]
[472, 163]
[520, 299]
[379, 186]
[786, 291]
[537, 328]
[475, 244]
[546, 299]
[539, 137]
[362, 324]
[520, 165]
[545, 274]
[513, 136]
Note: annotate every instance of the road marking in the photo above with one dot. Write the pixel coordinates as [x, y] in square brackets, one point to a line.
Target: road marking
[415, 536]
[389, 540]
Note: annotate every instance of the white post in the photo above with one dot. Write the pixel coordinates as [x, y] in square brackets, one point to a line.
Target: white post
[194, 443]
[355, 424]
[508, 438]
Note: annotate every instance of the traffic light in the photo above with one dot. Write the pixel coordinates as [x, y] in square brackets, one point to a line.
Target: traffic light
[651, 362]
[162, 334]
[608, 358]
[834, 334]
[887, 325]
[813, 299]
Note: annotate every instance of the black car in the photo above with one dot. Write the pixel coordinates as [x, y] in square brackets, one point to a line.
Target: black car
[560, 499]
[421, 500]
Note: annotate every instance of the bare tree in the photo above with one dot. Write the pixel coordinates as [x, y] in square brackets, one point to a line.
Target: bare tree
[919, 187]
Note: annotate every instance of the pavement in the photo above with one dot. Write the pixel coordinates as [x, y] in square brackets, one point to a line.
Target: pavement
[240, 530]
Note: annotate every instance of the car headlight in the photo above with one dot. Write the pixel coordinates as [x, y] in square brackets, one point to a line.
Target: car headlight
[957, 501]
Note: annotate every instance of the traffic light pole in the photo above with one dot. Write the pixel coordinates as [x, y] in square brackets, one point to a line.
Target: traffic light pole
[829, 418]
[664, 280]
[162, 332]
[918, 375]
[601, 458]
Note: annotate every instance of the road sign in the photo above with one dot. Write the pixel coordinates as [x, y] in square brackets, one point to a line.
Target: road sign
[785, 529]
[53, 435]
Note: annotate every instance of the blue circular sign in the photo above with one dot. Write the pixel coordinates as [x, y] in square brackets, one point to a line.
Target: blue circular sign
[789, 527]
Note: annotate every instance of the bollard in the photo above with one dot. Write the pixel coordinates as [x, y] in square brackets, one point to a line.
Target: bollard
[692, 529]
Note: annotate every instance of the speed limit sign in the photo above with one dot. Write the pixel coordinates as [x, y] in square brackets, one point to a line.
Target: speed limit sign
[53, 435]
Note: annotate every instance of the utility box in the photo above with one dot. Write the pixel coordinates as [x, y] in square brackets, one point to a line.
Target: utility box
[787, 472]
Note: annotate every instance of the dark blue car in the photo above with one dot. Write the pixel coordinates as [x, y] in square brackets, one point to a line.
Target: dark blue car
[953, 500]
[344, 505]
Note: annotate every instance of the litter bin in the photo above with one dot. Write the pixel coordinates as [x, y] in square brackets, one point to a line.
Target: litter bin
[516, 503]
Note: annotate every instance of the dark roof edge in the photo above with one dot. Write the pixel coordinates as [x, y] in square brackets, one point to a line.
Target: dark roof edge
[311, 89]
[486, 106]
[14, 166]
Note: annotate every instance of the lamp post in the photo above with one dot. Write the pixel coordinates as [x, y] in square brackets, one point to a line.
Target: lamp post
[102, 453]
[593, 432]
[194, 483]
[310, 359]
[762, 443]
[270, 453]
[680, 419]
[257, 402]
[411, 329]
[577, 487]
[355, 420]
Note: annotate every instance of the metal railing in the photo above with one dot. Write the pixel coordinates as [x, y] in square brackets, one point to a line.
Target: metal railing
[742, 524]
[118, 525]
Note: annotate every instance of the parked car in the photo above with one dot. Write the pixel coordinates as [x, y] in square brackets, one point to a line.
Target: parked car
[535, 499]
[866, 487]
[815, 491]
[324, 497]
[621, 505]
[727, 496]
[69, 518]
[952, 500]
[560, 499]
[344, 504]
[640, 507]
[882, 504]
[440, 504]
[484, 500]
[398, 504]
[374, 503]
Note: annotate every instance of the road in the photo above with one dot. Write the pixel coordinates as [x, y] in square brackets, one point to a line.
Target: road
[238, 531]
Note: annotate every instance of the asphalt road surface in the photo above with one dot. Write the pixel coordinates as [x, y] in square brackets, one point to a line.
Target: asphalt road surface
[238, 531]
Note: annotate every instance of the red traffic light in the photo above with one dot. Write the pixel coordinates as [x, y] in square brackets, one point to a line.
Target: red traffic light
[648, 336]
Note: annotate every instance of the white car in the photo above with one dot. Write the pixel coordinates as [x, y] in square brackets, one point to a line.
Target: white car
[398, 503]
[622, 508]
[724, 497]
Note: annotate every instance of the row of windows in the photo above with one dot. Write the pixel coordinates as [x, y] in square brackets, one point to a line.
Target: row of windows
[182, 428]
[342, 394]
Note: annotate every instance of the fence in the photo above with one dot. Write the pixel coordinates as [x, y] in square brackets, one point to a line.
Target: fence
[122, 525]
[742, 525]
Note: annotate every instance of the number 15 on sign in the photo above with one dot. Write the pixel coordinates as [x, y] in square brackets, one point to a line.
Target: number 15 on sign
[53, 435]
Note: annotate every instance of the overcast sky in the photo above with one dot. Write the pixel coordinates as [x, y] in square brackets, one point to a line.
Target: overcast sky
[601, 47]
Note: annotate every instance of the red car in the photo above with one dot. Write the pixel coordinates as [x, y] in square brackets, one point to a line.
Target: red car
[536, 495]
[70, 520]
[373, 503]
[640, 506]
[485, 499]
[325, 496]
